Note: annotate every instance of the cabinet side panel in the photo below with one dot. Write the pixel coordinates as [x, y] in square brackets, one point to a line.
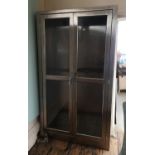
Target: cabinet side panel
[111, 59]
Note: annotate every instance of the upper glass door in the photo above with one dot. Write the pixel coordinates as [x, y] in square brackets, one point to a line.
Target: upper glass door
[57, 45]
[91, 44]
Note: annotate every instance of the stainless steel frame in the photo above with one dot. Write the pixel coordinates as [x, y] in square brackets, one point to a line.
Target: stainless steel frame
[73, 15]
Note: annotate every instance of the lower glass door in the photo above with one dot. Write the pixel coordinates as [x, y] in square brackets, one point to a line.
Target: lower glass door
[89, 108]
[57, 101]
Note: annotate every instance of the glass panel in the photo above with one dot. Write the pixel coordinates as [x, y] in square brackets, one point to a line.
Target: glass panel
[57, 104]
[57, 46]
[91, 45]
[89, 108]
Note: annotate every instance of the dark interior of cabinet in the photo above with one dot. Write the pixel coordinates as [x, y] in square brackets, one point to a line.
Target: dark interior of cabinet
[57, 99]
[57, 46]
[91, 45]
[89, 108]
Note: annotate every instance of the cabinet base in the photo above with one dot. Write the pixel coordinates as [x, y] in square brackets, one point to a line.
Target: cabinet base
[42, 138]
[79, 139]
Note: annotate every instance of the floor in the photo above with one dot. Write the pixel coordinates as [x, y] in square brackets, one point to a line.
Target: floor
[121, 97]
[56, 147]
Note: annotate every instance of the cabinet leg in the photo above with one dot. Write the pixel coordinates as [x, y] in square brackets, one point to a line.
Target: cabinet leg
[42, 138]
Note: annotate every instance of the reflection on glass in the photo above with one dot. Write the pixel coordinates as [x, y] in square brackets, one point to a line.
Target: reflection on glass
[91, 45]
[57, 46]
[57, 104]
[89, 108]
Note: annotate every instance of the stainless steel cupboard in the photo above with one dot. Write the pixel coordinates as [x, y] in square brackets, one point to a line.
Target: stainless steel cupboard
[76, 58]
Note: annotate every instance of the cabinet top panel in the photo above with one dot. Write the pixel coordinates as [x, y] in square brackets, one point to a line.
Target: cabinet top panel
[113, 7]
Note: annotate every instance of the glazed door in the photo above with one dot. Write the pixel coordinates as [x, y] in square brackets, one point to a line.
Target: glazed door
[92, 45]
[57, 68]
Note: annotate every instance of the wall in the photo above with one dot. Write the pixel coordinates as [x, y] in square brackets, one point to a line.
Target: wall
[33, 109]
[69, 4]
[33, 98]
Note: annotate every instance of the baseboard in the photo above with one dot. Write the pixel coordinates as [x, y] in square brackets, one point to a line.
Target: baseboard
[33, 129]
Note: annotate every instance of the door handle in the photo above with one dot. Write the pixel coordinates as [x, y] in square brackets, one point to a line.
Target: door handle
[72, 76]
